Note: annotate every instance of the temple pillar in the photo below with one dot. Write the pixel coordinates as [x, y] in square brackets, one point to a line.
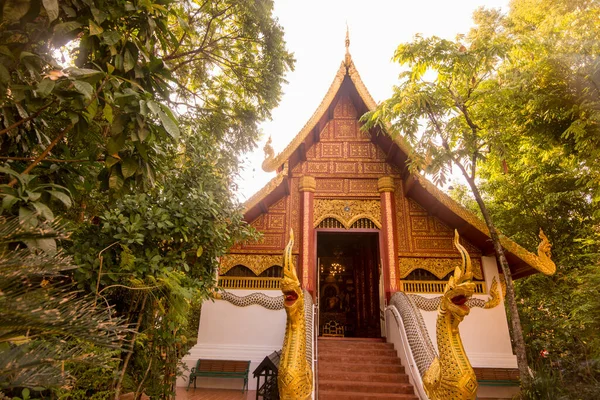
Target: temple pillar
[307, 187]
[389, 242]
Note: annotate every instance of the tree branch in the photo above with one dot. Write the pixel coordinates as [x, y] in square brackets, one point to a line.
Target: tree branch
[22, 121]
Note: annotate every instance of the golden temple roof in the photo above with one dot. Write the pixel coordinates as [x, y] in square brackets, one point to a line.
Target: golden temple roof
[526, 261]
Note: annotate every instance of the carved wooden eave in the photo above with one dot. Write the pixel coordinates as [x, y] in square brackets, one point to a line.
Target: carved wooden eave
[348, 81]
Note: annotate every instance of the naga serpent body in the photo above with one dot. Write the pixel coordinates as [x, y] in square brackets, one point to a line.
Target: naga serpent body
[295, 373]
[450, 375]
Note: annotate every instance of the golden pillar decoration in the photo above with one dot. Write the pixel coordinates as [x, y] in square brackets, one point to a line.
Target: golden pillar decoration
[389, 250]
[307, 187]
[307, 184]
[386, 184]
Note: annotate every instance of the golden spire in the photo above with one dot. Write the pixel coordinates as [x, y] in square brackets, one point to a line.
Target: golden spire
[347, 38]
[347, 59]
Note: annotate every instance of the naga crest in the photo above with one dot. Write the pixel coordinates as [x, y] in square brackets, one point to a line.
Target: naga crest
[460, 287]
[290, 285]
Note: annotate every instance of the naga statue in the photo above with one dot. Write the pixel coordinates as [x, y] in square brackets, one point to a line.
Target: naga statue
[295, 373]
[450, 375]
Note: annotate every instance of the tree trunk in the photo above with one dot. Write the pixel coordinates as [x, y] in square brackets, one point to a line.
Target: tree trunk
[515, 321]
[130, 353]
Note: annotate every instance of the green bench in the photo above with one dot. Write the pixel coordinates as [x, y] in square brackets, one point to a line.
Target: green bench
[220, 369]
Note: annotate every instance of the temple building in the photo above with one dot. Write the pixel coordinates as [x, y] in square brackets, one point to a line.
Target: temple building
[365, 228]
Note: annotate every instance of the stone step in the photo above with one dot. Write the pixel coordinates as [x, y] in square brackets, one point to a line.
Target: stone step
[370, 368]
[351, 339]
[358, 351]
[346, 376]
[333, 395]
[365, 387]
[349, 345]
[354, 359]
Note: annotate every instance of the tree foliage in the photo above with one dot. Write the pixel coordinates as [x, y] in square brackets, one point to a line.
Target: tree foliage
[43, 315]
[514, 105]
[128, 118]
[450, 120]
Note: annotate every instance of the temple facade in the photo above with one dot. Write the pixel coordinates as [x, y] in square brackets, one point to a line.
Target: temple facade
[365, 228]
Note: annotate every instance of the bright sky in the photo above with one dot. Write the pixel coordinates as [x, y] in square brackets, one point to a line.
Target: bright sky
[315, 32]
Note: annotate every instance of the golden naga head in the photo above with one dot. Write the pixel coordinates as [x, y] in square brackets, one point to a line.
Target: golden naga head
[460, 287]
[290, 285]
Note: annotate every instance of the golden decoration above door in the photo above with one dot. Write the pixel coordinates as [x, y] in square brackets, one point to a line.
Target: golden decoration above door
[347, 211]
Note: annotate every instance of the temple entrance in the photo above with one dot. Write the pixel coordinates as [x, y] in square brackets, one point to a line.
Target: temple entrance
[348, 271]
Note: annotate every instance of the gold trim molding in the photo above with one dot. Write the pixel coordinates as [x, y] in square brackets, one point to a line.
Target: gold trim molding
[257, 263]
[347, 211]
[440, 267]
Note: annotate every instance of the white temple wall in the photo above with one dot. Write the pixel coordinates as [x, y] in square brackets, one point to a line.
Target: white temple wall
[484, 333]
[228, 332]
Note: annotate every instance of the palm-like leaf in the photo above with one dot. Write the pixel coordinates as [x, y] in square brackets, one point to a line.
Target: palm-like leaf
[44, 322]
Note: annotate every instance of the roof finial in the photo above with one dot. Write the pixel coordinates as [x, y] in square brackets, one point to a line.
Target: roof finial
[347, 59]
[347, 38]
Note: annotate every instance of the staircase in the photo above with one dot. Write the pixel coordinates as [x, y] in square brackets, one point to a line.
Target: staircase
[357, 369]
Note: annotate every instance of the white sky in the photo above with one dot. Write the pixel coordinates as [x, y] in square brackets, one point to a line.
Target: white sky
[315, 32]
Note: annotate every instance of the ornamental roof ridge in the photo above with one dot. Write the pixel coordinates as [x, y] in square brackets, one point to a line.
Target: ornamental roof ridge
[272, 162]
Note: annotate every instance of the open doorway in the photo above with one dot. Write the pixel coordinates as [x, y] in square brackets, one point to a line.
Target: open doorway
[348, 271]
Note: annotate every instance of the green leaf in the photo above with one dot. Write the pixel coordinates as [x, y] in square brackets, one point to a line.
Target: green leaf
[128, 61]
[108, 113]
[153, 106]
[26, 217]
[8, 201]
[115, 144]
[45, 87]
[51, 7]
[4, 74]
[80, 72]
[169, 124]
[14, 10]
[33, 196]
[66, 27]
[63, 197]
[128, 167]
[115, 181]
[95, 29]
[84, 88]
[43, 210]
[199, 251]
[14, 173]
[111, 38]
[110, 161]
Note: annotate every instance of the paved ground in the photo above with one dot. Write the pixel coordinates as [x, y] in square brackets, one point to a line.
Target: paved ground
[214, 394]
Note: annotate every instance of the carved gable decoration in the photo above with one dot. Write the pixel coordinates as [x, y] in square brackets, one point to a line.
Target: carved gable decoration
[345, 109]
[427, 235]
[344, 151]
[347, 211]
[272, 225]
